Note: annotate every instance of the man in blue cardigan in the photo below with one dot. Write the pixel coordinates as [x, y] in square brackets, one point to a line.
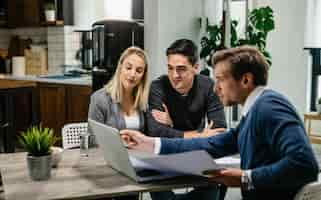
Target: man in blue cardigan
[276, 155]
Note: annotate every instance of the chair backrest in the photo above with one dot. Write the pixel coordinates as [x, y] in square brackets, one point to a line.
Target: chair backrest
[71, 134]
[311, 191]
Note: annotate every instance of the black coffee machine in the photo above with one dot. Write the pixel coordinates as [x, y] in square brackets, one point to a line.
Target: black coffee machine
[84, 54]
[110, 39]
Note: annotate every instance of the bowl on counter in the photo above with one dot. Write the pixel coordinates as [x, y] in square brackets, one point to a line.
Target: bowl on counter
[56, 155]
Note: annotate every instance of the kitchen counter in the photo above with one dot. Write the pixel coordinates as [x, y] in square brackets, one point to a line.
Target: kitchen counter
[82, 81]
[12, 84]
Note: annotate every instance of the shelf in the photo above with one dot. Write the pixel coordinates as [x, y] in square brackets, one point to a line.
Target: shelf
[53, 23]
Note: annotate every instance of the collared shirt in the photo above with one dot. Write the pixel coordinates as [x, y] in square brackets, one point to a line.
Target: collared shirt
[250, 100]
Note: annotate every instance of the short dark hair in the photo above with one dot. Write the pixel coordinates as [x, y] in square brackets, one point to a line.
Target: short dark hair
[244, 59]
[184, 47]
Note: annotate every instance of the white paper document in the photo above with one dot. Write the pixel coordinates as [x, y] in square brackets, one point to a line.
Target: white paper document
[191, 163]
[228, 161]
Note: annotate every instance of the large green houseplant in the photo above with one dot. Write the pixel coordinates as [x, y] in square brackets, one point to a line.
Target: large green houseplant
[260, 23]
[38, 142]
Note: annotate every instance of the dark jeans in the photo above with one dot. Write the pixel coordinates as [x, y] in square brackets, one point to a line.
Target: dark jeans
[200, 193]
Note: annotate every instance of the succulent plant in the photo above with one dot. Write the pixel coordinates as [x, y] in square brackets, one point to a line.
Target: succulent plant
[38, 140]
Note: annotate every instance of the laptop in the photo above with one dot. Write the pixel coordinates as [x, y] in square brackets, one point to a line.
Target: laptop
[116, 155]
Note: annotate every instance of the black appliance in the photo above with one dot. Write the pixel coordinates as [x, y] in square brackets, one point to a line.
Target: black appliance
[84, 54]
[110, 39]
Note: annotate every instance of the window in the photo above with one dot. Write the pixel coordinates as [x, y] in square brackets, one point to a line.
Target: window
[118, 9]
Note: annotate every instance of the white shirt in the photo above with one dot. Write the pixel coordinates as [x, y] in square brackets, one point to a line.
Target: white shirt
[250, 100]
[132, 122]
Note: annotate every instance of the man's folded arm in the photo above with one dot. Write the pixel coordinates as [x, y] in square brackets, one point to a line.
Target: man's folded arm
[154, 128]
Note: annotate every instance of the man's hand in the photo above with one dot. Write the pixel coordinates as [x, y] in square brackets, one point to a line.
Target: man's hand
[207, 132]
[163, 117]
[230, 177]
[138, 141]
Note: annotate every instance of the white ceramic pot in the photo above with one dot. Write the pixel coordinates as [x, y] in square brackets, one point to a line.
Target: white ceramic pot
[18, 66]
[56, 153]
[50, 15]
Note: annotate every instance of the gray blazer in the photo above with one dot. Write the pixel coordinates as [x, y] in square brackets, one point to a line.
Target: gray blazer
[103, 109]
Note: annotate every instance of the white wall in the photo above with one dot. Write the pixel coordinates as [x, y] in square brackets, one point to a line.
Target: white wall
[213, 10]
[289, 70]
[165, 22]
[151, 41]
[86, 13]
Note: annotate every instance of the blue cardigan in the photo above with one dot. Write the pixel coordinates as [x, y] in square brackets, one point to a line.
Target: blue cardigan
[272, 142]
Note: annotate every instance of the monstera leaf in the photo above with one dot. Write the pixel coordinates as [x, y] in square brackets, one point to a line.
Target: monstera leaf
[262, 19]
[261, 22]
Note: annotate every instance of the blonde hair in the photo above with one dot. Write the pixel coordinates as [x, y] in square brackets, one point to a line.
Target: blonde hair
[140, 92]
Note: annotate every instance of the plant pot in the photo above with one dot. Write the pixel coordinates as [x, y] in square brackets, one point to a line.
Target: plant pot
[39, 167]
[318, 107]
[50, 15]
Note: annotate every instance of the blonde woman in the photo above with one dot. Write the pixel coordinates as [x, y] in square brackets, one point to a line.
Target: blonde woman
[123, 101]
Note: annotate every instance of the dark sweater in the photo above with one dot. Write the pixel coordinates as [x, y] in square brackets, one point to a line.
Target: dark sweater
[187, 112]
[272, 142]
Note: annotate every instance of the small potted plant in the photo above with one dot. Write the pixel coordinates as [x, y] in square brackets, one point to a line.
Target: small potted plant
[38, 142]
[318, 105]
[50, 11]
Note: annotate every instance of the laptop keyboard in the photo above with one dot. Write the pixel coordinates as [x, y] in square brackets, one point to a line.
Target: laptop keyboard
[147, 172]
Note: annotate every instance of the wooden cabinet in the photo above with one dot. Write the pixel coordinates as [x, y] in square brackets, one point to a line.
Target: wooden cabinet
[78, 98]
[3, 13]
[52, 106]
[26, 103]
[30, 13]
[18, 110]
[24, 13]
[62, 104]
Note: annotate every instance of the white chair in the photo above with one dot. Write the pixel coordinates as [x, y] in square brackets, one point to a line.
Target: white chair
[71, 134]
[311, 191]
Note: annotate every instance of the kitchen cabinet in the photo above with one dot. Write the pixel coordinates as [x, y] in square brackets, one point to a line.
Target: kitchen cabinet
[52, 106]
[30, 13]
[18, 111]
[26, 103]
[3, 13]
[24, 13]
[61, 104]
[78, 98]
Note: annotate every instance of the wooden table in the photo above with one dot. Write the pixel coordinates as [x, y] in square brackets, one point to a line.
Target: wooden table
[77, 178]
[314, 138]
